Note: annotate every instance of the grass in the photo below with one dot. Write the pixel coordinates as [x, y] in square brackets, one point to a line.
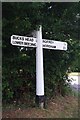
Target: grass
[59, 107]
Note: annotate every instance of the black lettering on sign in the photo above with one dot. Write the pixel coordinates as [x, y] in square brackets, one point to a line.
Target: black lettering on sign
[17, 42]
[25, 43]
[48, 41]
[33, 44]
[21, 43]
[50, 46]
[21, 38]
[13, 42]
[18, 37]
[53, 46]
[14, 37]
[29, 44]
[29, 39]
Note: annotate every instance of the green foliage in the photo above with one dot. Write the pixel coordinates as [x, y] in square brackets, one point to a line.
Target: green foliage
[59, 23]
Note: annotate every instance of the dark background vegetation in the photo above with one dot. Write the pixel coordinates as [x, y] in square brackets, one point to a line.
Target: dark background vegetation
[60, 21]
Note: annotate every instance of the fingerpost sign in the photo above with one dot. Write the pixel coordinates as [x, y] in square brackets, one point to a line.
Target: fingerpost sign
[39, 44]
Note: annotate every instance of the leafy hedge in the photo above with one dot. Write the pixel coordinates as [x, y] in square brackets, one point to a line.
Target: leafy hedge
[59, 22]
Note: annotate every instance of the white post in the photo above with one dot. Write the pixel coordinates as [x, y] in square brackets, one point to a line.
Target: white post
[39, 69]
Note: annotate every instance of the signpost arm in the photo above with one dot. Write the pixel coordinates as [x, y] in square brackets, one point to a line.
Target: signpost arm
[39, 69]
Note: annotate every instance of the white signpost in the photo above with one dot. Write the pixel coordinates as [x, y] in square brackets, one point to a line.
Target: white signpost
[39, 43]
